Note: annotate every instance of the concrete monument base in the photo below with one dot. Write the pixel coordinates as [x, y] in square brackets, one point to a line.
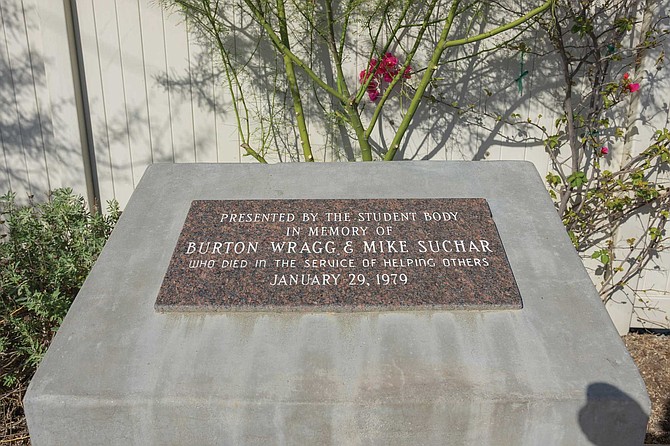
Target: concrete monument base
[553, 372]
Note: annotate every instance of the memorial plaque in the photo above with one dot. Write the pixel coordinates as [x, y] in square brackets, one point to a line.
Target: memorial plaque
[338, 255]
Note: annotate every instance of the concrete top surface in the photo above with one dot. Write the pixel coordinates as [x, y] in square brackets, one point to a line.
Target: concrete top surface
[114, 348]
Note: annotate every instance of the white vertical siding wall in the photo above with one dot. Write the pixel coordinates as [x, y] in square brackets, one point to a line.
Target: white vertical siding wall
[650, 112]
[149, 97]
[24, 124]
[40, 141]
[155, 94]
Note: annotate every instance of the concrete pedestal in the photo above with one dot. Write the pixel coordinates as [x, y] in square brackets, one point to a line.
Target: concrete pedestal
[554, 372]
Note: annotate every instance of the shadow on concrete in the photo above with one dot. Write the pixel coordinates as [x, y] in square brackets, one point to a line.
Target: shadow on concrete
[611, 417]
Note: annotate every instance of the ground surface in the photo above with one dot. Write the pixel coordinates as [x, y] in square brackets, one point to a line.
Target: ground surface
[651, 353]
[13, 429]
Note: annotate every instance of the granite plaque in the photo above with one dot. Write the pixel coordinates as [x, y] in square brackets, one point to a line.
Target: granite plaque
[338, 255]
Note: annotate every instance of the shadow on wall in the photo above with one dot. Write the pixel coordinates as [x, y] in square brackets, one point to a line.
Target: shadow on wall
[265, 93]
[31, 162]
[461, 117]
[497, 105]
[611, 417]
[474, 92]
[482, 104]
[654, 107]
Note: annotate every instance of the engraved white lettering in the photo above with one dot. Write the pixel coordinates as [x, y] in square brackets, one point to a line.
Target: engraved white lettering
[237, 263]
[338, 216]
[407, 263]
[382, 246]
[386, 216]
[191, 248]
[305, 279]
[209, 247]
[329, 263]
[201, 263]
[440, 216]
[317, 247]
[336, 231]
[471, 261]
[255, 218]
[453, 246]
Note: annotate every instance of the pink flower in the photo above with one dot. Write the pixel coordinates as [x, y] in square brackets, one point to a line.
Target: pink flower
[388, 68]
[363, 77]
[633, 87]
[627, 85]
[373, 66]
[389, 61]
[604, 151]
[385, 70]
[373, 90]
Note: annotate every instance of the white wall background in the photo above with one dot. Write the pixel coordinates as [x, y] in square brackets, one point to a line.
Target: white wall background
[94, 91]
[32, 160]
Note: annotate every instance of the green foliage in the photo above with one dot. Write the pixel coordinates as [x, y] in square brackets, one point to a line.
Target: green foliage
[552, 141]
[553, 180]
[607, 198]
[602, 255]
[45, 255]
[576, 179]
[603, 188]
[655, 233]
[624, 24]
[582, 26]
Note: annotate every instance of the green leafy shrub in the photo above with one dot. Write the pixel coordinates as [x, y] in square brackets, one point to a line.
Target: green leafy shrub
[46, 252]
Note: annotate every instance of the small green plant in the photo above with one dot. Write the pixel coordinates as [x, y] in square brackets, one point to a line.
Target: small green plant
[46, 252]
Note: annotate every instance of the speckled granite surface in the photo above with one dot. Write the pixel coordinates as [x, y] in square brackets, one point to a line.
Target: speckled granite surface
[338, 255]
